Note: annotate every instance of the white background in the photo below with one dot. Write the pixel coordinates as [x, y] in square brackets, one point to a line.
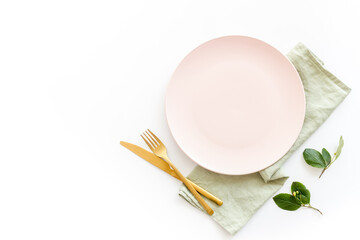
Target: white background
[76, 77]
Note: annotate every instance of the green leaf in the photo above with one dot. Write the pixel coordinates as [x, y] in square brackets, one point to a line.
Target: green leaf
[326, 156]
[287, 202]
[304, 193]
[338, 151]
[314, 158]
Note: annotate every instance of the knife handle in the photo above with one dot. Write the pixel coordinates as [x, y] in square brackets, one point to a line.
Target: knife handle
[206, 193]
[189, 186]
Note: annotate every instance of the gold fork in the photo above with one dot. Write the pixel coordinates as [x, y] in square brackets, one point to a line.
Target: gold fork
[159, 149]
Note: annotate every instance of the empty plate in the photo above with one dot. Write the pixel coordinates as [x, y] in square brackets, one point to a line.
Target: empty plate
[235, 105]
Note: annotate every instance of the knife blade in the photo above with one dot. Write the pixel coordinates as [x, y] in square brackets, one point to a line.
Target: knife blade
[150, 157]
[158, 162]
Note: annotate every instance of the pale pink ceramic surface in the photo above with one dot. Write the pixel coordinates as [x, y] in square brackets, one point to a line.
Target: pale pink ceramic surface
[235, 105]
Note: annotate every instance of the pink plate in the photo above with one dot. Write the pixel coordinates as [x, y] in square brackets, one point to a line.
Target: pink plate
[235, 105]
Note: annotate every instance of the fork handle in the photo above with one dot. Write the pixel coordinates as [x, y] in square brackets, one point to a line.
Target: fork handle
[190, 187]
[206, 193]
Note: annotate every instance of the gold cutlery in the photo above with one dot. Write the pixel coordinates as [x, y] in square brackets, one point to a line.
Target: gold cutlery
[158, 162]
[159, 149]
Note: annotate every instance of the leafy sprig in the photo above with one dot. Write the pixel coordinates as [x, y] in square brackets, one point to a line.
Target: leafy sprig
[322, 160]
[300, 197]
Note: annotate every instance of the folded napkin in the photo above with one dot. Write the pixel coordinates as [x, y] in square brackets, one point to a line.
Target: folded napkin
[244, 195]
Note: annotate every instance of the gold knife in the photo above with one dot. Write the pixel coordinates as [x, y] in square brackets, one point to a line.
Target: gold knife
[158, 162]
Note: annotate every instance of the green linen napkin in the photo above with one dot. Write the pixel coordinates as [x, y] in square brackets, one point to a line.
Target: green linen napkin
[244, 195]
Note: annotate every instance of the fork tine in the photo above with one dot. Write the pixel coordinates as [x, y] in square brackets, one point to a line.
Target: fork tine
[154, 141]
[149, 145]
[155, 137]
[149, 140]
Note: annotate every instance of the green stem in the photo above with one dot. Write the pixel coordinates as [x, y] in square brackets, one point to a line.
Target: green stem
[322, 172]
[331, 162]
[309, 206]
